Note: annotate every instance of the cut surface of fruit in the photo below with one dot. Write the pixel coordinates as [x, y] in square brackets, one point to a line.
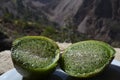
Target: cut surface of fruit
[86, 58]
[35, 53]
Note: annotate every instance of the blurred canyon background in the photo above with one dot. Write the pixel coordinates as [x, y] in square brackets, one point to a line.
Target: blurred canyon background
[61, 20]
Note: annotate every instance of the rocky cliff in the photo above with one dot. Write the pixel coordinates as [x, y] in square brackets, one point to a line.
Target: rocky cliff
[98, 19]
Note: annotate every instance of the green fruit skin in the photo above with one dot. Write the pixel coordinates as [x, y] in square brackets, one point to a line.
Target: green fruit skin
[98, 71]
[39, 73]
[33, 74]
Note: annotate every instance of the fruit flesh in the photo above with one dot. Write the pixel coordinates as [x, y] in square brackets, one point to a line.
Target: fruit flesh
[35, 55]
[86, 58]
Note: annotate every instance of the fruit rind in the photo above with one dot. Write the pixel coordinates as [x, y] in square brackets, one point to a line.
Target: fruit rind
[110, 50]
[27, 72]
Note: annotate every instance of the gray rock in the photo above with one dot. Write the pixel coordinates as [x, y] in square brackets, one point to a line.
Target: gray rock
[5, 61]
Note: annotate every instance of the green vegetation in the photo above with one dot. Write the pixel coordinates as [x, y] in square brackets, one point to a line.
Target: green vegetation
[27, 23]
[16, 28]
[66, 33]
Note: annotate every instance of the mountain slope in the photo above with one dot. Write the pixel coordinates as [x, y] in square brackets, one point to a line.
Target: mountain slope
[98, 19]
